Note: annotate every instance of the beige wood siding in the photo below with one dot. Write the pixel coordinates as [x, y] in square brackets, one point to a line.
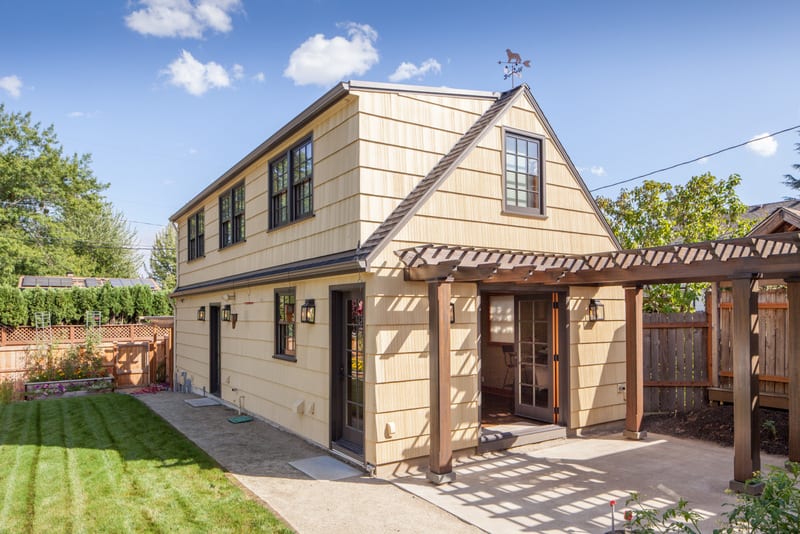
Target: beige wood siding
[333, 228]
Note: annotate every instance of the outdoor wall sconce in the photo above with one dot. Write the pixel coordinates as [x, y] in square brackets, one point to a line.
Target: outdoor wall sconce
[226, 312]
[452, 313]
[201, 313]
[308, 311]
[597, 310]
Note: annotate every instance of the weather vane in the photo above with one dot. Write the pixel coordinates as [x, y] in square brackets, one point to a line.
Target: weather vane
[512, 67]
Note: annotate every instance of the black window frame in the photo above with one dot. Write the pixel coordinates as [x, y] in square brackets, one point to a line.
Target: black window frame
[232, 216]
[196, 243]
[286, 324]
[533, 187]
[291, 185]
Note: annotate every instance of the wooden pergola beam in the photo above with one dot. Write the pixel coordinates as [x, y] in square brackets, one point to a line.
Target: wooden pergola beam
[744, 350]
[441, 450]
[793, 352]
[634, 364]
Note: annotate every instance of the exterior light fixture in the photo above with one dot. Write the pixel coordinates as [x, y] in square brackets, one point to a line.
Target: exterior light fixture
[308, 311]
[226, 312]
[452, 313]
[201, 313]
[597, 310]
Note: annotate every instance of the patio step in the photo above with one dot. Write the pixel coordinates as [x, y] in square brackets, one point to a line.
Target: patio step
[499, 438]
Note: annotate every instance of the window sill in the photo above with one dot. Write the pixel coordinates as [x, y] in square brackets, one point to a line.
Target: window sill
[196, 259]
[285, 357]
[291, 223]
[522, 213]
[226, 247]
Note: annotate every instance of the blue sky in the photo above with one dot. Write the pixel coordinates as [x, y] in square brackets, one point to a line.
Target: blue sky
[168, 94]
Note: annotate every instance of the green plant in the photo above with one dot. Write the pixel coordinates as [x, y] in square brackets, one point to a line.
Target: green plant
[678, 518]
[776, 510]
[7, 394]
[769, 426]
[44, 363]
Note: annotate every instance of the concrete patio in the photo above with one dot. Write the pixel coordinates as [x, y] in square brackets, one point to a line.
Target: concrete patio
[564, 487]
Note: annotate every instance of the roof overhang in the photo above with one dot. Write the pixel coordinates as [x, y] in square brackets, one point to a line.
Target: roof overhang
[775, 256]
[334, 264]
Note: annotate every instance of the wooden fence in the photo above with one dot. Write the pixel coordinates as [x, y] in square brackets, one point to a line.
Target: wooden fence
[135, 354]
[676, 363]
[773, 325]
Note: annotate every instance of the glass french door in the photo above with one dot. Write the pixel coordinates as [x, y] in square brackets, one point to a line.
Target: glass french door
[534, 392]
[348, 370]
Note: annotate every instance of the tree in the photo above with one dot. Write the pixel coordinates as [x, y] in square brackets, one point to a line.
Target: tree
[657, 213]
[163, 258]
[54, 218]
[790, 180]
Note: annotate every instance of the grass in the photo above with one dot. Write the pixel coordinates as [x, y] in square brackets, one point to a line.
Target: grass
[106, 463]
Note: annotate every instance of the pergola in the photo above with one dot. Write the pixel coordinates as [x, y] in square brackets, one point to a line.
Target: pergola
[741, 261]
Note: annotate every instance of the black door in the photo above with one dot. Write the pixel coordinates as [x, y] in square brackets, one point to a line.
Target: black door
[214, 362]
[347, 370]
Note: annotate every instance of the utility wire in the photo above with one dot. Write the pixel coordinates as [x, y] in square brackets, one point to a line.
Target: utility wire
[695, 159]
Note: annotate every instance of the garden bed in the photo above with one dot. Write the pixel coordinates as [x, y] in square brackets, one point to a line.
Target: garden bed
[68, 388]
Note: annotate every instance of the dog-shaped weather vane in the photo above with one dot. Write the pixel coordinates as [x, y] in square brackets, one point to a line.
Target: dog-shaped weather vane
[512, 67]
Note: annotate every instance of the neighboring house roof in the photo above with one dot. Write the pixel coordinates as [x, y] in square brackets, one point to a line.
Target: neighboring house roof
[30, 282]
[775, 217]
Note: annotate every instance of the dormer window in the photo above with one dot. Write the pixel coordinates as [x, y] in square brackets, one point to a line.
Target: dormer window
[291, 185]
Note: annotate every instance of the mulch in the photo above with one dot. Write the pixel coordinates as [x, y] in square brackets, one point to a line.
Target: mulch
[715, 423]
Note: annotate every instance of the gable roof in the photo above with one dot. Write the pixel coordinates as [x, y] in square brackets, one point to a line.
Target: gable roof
[445, 167]
[776, 217]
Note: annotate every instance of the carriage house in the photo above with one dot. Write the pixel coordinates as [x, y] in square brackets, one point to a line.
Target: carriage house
[303, 292]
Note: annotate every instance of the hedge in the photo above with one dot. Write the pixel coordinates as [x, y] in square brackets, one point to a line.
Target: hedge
[69, 306]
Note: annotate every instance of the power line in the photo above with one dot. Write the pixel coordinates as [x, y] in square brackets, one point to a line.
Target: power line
[695, 159]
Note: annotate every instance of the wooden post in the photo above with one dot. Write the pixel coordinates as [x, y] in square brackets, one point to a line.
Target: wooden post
[744, 349]
[634, 364]
[793, 353]
[441, 455]
[712, 313]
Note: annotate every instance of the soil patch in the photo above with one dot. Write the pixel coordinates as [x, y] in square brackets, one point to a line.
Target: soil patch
[715, 423]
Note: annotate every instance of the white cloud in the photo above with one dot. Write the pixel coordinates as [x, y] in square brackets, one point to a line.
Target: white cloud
[408, 70]
[765, 147]
[76, 114]
[196, 77]
[12, 84]
[182, 18]
[323, 61]
[237, 72]
[597, 170]
[702, 161]
[260, 77]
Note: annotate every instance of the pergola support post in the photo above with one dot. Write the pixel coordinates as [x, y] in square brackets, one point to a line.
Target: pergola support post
[441, 450]
[746, 420]
[634, 364]
[793, 352]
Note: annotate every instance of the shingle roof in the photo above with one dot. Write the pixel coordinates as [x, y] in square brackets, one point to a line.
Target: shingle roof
[409, 205]
[29, 282]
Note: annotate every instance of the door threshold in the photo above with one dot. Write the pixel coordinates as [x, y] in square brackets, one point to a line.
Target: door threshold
[501, 437]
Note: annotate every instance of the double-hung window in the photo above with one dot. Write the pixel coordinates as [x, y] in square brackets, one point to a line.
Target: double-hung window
[291, 185]
[284, 324]
[523, 177]
[231, 216]
[197, 235]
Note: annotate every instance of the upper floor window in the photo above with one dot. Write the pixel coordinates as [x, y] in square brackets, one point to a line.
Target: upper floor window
[197, 235]
[291, 185]
[284, 324]
[524, 183]
[231, 216]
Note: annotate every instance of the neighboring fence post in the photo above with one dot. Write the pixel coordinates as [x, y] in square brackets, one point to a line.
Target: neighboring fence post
[793, 353]
[712, 314]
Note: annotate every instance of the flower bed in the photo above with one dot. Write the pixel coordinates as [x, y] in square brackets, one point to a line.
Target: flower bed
[68, 388]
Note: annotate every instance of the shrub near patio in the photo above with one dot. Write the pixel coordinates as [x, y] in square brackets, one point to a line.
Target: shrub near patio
[108, 464]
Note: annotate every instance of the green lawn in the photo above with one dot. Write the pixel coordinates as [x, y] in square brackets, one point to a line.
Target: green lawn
[106, 463]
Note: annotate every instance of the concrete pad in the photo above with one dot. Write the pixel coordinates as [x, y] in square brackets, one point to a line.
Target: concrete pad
[258, 456]
[325, 468]
[568, 487]
[201, 402]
